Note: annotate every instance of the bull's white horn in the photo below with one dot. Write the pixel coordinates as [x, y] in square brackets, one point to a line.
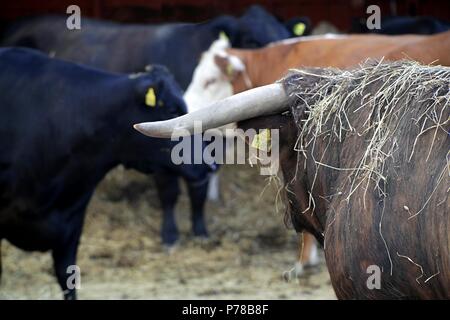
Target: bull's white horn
[265, 100]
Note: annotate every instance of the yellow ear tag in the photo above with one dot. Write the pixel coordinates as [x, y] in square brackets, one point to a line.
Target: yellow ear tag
[262, 140]
[223, 35]
[150, 98]
[230, 69]
[299, 29]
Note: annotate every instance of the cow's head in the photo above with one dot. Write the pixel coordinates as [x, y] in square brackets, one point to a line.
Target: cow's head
[254, 29]
[157, 98]
[291, 165]
[219, 74]
[208, 83]
[232, 66]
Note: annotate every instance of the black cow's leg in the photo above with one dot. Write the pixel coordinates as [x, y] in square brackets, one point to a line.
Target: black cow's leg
[168, 188]
[1, 266]
[197, 194]
[65, 255]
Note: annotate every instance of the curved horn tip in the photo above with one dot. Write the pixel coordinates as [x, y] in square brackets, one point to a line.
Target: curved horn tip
[140, 127]
[151, 129]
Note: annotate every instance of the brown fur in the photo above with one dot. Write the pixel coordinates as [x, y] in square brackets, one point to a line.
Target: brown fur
[414, 254]
[305, 244]
[267, 65]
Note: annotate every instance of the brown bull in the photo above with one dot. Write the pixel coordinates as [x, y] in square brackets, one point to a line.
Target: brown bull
[366, 158]
[246, 69]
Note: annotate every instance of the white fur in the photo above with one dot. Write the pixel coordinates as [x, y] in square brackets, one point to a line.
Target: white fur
[314, 256]
[213, 188]
[199, 95]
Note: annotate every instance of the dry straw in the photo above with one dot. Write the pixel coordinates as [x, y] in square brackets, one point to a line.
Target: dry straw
[330, 104]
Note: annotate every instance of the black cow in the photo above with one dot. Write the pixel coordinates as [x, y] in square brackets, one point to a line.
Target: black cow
[130, 47]
[63, 127]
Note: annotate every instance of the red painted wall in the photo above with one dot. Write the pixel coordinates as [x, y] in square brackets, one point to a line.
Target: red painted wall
[338, 12]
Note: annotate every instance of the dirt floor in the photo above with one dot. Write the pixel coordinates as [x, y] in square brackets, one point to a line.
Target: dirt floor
[121, 256]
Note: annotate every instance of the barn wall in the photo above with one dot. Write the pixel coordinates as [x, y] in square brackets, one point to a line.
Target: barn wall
[338, 12]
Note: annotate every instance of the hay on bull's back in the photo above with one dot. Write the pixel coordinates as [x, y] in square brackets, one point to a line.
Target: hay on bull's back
[323, 106]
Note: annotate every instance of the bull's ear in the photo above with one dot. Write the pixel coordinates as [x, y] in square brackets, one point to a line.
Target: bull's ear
[230, 66]
[263, 127]
[262, 140]
[276, 121]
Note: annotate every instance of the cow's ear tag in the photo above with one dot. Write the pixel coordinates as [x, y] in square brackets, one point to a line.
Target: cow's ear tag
[299, 28]
[230, 69]
[262, 140]
[223, 35]
[150, 98]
